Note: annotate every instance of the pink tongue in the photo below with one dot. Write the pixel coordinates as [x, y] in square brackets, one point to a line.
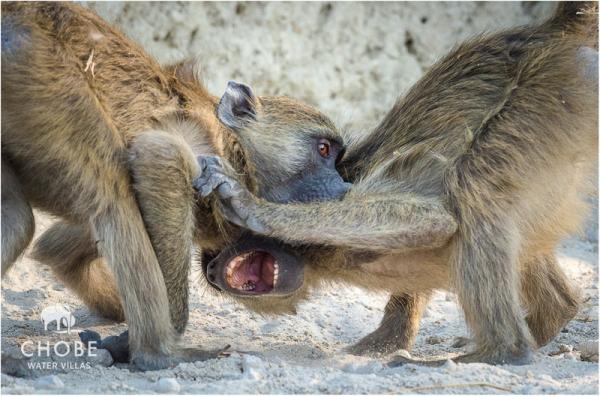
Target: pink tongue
[254, 268]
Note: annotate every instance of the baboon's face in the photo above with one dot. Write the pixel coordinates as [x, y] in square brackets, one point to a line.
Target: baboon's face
[291, 151]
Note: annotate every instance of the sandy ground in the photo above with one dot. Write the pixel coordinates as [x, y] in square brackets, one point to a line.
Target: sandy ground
[302, 353]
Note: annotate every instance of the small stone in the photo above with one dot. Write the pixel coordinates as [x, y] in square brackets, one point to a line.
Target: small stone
[102, 358]
[450, 365]
[434, 340]
[168, 385]
[588, 351]
[49, 382]
[362, 368]
[571, 356]
[565, 330]
[7, 379]
[549, 380]
[252, 367]
[564, 348]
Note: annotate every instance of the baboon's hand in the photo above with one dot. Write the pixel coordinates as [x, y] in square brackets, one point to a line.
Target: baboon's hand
[237, 204]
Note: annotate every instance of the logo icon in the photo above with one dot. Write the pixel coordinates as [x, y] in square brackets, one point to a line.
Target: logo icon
[59, 313]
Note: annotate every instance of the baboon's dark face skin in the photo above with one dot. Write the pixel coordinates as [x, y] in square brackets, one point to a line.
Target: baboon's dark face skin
[319, 180]
[254, 266]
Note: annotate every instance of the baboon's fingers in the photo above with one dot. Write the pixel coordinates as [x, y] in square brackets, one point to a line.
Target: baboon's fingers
[236, 202]
[214, 175]
[242, 215]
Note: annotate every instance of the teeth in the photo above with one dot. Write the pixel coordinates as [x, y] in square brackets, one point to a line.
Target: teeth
[275, 274]
[249, 286]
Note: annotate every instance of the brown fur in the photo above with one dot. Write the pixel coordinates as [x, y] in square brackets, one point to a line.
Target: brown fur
[97, 133]
[468, 184]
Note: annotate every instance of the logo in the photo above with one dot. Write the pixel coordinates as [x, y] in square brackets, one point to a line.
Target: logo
[61, 355]
[61, 315]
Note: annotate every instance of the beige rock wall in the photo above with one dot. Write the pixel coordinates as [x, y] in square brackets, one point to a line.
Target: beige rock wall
[351, 60]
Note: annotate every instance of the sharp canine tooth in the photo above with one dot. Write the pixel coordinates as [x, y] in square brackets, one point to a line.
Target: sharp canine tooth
[275, 274]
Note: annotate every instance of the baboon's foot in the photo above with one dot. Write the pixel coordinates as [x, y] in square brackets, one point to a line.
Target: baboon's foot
[118, 346]
[152, 361]
[501, 356]
[378, 343]
[495, 357]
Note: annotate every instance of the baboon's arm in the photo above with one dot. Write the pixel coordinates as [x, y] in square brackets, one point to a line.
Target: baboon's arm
[384, 221]
[387, 222]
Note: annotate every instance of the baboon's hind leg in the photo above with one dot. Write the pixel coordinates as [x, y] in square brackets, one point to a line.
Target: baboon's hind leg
[18, 223]
[71, 253]
[163, 168]
[548, 297]
[397, 329]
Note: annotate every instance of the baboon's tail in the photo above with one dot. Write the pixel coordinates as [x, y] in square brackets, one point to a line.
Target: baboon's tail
[577, 18]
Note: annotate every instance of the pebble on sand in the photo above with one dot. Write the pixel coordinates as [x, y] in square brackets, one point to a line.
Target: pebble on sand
[167, 385]
[49, 382]
[588, 351]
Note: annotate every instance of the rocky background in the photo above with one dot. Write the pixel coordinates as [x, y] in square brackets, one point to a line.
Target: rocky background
[351, 60]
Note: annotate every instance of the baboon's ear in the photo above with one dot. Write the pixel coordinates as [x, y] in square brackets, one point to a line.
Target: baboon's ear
[237, 105]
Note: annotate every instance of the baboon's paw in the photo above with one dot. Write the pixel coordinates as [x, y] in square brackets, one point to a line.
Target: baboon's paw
[236, 203]
[153, 361]
[214, 173]
[520, 358]
[376, 344]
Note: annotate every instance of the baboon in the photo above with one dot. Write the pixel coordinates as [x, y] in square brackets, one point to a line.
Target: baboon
[95, 132]
[467, 184]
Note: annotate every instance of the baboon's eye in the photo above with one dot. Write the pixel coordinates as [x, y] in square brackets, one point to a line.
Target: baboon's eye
[324, 147]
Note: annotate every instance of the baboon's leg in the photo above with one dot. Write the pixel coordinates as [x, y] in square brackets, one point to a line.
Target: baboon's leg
[548, 297]
[163, 167]
[71, 253]
[397, 329]
[18, 223]
[122, 239]
[485, 277]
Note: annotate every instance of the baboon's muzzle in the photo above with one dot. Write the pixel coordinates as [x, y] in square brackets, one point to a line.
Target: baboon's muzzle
[254, 266]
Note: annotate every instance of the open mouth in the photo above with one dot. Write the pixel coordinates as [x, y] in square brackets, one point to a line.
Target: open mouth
[255, 272]
[254, 266]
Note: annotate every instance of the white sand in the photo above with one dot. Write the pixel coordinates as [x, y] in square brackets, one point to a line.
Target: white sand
[304, 353]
